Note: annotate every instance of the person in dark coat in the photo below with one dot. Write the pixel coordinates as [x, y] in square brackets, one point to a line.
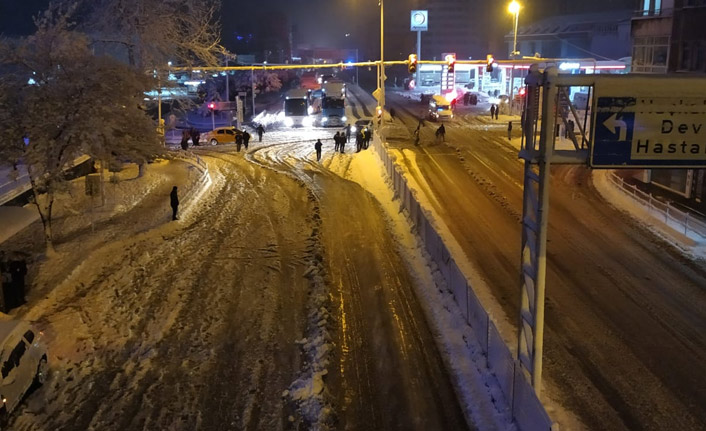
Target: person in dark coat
[358, 141]
[366, 138]
[492, 111]
[441, 133]
[348, 133]
[246, 138]
[174, 201]
[6, 283]
[317, 147]
[238, 139]
[509, 130]
[185, 140]
[195, 136]
[260, 131]
[18, 271]
[497, 111]
[336, 141]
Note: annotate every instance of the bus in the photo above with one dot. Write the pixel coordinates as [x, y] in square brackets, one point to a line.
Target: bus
[297, 109]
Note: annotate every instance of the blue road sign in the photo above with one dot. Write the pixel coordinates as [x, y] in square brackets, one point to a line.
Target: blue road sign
[649, 132]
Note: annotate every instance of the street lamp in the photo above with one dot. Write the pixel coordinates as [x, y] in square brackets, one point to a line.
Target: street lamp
[514, 8]
[381, 78]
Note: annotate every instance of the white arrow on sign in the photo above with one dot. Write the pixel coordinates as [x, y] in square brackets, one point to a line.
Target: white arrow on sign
[612, 122]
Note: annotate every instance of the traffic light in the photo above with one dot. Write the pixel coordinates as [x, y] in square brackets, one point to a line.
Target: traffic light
[412, 64]
[451, 61]
[489, 63]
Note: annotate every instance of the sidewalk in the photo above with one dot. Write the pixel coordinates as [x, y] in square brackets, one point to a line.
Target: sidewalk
[74, 210]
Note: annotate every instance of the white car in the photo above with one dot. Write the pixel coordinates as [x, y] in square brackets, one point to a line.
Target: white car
[24, 362]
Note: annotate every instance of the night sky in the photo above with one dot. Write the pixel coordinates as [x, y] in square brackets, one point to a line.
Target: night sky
[322, 23]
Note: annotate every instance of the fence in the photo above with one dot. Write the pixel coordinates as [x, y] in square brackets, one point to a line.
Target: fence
[527, 410]
[679, 220]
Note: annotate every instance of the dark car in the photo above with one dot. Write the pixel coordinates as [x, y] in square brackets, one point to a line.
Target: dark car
[363, 123]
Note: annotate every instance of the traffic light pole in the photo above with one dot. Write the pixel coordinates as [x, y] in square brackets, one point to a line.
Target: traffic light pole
[419, 55]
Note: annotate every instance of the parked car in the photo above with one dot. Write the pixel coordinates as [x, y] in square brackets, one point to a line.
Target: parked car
[24, 362]
[222, 135]
[363, 123]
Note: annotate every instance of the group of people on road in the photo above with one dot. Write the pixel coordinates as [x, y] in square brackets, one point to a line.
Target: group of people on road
[192, 133]
[242, 137]
[440, 133]
[341, 138]
[13, 269]
[494, 111]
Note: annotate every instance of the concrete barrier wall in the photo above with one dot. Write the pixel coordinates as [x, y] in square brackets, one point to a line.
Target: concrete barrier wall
[527, 411]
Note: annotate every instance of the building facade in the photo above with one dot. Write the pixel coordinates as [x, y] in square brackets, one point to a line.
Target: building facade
[602, 36]
[668, 37]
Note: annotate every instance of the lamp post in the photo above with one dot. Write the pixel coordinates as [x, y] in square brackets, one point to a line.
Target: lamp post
[381, 81]
[514, 8]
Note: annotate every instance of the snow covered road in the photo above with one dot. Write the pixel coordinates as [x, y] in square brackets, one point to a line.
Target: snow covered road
[278, 301]
[624, 342]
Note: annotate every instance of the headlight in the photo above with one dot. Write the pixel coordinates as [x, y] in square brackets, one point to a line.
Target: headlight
[353, 129]
[344, 119]
[324, 119]
[288, 122]
[307, 121]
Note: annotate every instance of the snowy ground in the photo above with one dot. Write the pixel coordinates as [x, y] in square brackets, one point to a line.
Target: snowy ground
[623, 306]
[289, 295]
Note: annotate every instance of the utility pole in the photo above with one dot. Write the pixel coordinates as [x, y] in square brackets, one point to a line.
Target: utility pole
[252, 84]
[381, 102]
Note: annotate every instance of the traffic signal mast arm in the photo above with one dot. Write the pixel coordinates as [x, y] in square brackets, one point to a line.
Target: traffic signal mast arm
[260, 66]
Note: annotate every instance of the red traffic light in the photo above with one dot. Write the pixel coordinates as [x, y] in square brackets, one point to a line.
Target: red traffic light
[451, 61]
[412, 63]
[489, 63]
[212, 105]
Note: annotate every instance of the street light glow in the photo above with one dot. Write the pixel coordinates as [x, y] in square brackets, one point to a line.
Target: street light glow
[514, 8]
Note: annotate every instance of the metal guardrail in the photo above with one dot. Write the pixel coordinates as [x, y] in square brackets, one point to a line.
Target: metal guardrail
[526, 408]
[684, 221]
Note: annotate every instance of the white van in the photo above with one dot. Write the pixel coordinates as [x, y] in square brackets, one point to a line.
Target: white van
[440, 108]
[24, 362]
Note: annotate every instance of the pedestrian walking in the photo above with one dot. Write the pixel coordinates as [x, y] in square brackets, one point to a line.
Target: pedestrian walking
[441, 133]
[184, 139]
[195, 136]
[570, 129]
[348, 133]
[246, 138]
[416, 136]
[260, 131]
[358, 141]
[492, 111]
[366, 138]
[336, 141]
[238, 139]
[317, 147]
[497, 111]
[18, 271]
[509, 130]
[6, 282]
[174, 201]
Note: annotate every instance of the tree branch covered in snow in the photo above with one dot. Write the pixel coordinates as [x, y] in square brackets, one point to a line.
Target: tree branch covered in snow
[66, 102]
[152, 32]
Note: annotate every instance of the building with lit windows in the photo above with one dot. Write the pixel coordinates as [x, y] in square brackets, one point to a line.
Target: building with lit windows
[668, 37]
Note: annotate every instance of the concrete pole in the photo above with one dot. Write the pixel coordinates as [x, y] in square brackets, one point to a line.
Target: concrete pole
[546, 146]
[419, 55]
[514, 42]
[227, 84]
[382, 49]
[252, 84]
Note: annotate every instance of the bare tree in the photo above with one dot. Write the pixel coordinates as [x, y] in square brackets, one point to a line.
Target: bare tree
[153, 32]
[67, 102]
